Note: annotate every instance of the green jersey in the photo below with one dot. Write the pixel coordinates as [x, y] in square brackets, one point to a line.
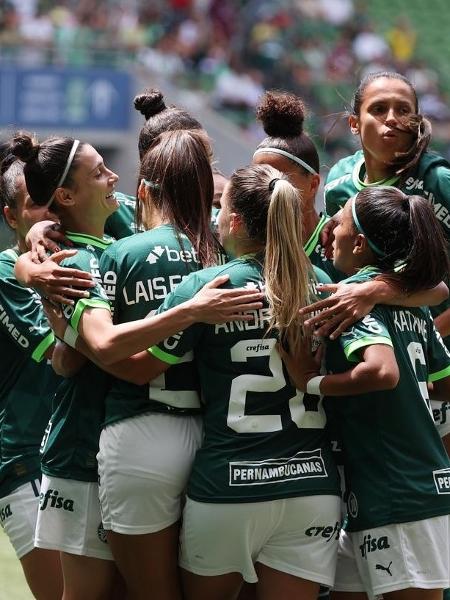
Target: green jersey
[316, 252]
[396, 467]
[138, 273]
[70, 446]
[122, 222]
[27, 381]
[430, 179]
[263, 439]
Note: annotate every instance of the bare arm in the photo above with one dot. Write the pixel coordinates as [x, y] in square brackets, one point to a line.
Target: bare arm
[377, 371]
[66, 361]
[442, 323]
[139, 368]
[109, 343]
[351, 302]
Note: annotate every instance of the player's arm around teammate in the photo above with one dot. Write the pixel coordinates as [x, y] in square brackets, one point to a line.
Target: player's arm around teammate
[396, 540]
[394, 136]
[246, 488]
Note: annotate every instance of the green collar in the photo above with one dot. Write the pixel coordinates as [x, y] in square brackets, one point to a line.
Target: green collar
[360, 184]
[312, 242]
[84, 239]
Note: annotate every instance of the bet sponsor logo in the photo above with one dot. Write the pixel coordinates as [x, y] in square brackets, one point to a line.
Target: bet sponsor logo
[373, 544]
[172, 255]
[5, 513]
[277, 470]
[52, 499]
[329, 532]
[442, 480]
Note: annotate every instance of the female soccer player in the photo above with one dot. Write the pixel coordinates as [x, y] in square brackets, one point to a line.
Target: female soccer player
[72, 178]
[290, 149]
[394, 138]
[263, 497]
[27, 386]
[397, 541]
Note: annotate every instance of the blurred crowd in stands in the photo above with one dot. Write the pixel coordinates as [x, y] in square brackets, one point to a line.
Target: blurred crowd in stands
[231, 50]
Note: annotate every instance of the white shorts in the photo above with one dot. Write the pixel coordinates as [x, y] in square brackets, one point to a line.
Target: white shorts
[298, 536]
[69, 518]
[144, 464]
[441, 416]
[18, 514]
[395, 557]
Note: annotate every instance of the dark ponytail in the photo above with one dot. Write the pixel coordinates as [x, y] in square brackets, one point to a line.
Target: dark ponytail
[45, 163]
[412, 250]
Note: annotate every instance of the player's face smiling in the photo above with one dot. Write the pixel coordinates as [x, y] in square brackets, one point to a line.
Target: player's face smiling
[382, 122]
[94, 183]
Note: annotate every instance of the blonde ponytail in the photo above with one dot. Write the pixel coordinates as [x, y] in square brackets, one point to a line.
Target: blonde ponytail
[287, 270]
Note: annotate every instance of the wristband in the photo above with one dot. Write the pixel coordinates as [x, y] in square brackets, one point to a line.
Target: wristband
[313, 385]
[70, 336]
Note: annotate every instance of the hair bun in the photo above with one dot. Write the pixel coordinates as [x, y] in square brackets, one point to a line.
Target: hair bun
[282, 114]
[24, 147]
[150, 103]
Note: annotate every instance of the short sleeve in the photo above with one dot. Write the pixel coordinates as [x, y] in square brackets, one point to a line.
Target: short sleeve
[367, 332]
[172, 349]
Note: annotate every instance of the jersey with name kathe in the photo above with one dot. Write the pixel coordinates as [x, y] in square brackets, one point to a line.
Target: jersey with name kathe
[396, 467]
[431, 179]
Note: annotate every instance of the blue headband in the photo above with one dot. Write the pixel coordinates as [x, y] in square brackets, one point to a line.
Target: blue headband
[358, 226]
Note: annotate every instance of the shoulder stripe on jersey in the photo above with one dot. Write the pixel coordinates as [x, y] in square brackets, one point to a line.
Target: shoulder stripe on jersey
[311, 243]
[86, 303]
[439, 374]
[43, 346]
[163, 356]
[369, 340]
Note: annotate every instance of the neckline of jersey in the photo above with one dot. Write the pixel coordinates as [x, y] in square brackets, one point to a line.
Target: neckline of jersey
[360, 184]
[84, 238]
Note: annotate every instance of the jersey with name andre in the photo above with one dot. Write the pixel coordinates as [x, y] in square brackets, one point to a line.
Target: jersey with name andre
[263, 439]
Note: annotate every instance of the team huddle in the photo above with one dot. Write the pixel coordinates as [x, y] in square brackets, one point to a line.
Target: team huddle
[234, 400]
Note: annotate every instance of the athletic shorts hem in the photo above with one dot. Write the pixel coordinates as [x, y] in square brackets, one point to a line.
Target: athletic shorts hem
[138, 529]
[215, 572]
[25, 549]
[404, 585]
[348, 588]
[302, 573]
[71, 550]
